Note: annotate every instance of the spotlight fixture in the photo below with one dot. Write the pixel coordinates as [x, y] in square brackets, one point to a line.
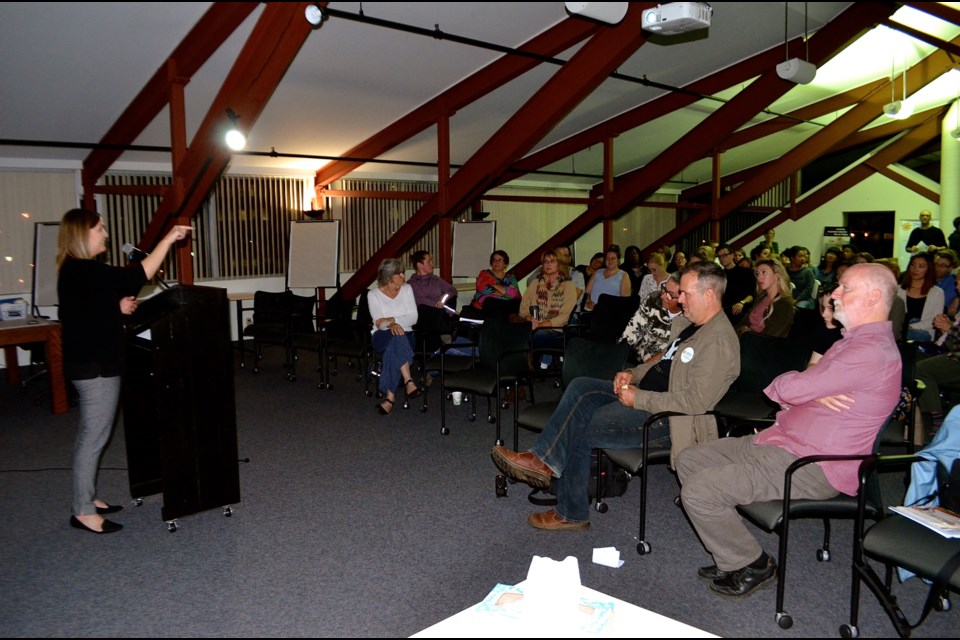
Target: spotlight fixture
[315, 15]
[898, 109]
[608, 12]
[235, 138]
[794, 69]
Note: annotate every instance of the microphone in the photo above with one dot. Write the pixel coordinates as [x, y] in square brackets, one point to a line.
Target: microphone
[133, 253]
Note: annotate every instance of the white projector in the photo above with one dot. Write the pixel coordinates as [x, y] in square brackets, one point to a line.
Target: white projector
[677, 17]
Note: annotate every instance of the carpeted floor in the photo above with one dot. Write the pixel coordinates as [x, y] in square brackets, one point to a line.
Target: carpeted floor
[354, 524]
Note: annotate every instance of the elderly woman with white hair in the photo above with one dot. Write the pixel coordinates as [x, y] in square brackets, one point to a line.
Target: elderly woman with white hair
[394, 312]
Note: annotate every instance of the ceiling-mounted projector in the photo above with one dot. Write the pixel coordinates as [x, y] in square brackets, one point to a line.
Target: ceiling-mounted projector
[797, 70]
[677, 17]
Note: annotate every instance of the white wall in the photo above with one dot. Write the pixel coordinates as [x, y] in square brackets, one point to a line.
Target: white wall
[877, 193]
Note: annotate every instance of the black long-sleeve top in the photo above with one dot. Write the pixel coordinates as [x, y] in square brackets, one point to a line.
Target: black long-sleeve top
[93, 336]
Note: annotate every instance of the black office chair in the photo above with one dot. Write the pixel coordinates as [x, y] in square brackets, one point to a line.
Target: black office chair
[582, 358]
[303, 332]
[503, 351]
[901, 430]
[897, 541]
[435, 327]
[342, 335]
[744, 409]
[609, 317]
[271, 314]
[774, 516]
[637, 463]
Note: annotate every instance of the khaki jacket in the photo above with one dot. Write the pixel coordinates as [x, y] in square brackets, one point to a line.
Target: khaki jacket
[703, 369]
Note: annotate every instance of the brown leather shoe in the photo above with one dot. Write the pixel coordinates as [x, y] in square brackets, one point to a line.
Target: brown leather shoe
[551, 521]
[524, 466]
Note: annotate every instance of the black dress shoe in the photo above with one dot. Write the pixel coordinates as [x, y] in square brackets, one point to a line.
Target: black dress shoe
[108, 526]
[110, 508]
[743, 582]
[711, 573]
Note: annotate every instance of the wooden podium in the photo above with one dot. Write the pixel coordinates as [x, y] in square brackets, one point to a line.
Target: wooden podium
[179, 410]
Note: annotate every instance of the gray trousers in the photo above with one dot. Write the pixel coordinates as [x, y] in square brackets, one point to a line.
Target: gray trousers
[932, 372]
[719, 475]
[98, 407]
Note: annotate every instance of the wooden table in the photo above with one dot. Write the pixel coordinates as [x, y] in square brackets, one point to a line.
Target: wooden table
[17, 332]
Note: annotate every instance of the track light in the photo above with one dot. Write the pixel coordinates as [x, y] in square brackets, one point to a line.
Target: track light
[315, 15]
[235, 138]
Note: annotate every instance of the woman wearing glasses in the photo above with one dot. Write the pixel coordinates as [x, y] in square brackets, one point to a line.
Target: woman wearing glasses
[773, 310]
[648, 331]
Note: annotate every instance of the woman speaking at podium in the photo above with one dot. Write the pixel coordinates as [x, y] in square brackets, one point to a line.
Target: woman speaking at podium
[93, 296]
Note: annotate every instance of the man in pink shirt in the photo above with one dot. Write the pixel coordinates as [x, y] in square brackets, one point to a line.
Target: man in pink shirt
[835, 407]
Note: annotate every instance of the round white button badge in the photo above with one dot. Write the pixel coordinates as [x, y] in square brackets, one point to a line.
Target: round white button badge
[687, 355]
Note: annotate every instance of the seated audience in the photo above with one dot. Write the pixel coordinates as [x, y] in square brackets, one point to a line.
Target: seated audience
[678, 263]
[633, 266]
[898, 311]
[428, 289]
[773, 310]
[850, 252]
[657, 276]
[828, 332]
[760, 252]
[835, 407]
[595, 264]
[923, 300]
[548, 302]
[825, 273]
[769, 241]
[611, 280]
[935, 367]
[394, 312]
[944, 262]
[703, 359]
[864, 258]
[496, 282]
[801, 276]
[648, 331]
[563, 253]
[740, 283]
[707, 253]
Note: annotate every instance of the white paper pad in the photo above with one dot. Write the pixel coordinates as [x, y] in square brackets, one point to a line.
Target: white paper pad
[608, 557]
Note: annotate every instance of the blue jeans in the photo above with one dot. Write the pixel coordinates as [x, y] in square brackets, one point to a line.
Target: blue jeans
[397, 351]
[589, 416]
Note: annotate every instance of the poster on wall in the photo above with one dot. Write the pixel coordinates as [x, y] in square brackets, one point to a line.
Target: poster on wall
[834, 237]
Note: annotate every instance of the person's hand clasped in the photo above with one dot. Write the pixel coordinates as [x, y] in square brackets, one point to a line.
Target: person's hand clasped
[396, 329]
[626, 394]
[943, 322]
[837, 403]
[622, 379]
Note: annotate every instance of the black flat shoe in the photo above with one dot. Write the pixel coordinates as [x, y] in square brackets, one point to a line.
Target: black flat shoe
[742, 582]
[108, 526]
[383, 411]
[416, 390]
[110, 508]
[711, 573]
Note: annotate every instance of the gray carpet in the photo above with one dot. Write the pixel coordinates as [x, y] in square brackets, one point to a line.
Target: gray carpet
[353, 524]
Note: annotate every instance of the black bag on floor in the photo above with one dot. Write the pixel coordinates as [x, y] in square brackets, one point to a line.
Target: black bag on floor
[613, 483]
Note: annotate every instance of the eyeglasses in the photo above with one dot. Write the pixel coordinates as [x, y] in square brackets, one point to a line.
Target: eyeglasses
[723, 255]
[670, 296]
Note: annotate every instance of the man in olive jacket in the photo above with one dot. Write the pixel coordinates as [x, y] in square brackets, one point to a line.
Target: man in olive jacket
[696, 370]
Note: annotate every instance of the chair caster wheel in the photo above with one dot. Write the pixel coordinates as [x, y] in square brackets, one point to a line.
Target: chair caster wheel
[643, 547]
[501, 486]
[784, 620]
[849, 631]
[601, 507]
[227, 511]
[172, 526]
[406, 405]
[422, 409]
[368, 393]
[491, 420]
[942, 603]
[498, 442]
[444, 431]
[472, 418]
[676, 501]
[823, 555]
[138, 502]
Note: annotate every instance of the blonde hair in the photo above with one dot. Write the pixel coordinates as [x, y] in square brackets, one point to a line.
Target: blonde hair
[74, 234]
[783, 280]
[658, 258]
